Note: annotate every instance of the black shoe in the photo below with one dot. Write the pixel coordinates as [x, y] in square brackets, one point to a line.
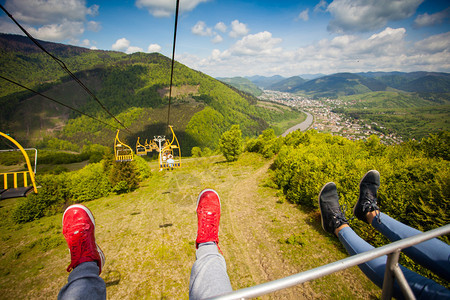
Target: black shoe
[367, 200]
[331, 213]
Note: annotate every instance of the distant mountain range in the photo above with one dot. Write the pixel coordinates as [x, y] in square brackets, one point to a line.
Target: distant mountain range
[344, 84]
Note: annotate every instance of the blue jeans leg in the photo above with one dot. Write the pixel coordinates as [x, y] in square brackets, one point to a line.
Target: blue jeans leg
[422, 287]
[209, 275]
[84, 283]
[432, 254]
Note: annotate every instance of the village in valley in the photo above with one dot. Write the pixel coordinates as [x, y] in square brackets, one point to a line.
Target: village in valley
[325, 120]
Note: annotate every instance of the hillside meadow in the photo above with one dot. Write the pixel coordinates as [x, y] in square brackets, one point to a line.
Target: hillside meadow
[148, 238]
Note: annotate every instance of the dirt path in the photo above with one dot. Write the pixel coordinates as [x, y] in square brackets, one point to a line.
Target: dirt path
[248, 223]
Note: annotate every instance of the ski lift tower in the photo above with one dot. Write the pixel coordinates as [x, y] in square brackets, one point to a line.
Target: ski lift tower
[160, 139]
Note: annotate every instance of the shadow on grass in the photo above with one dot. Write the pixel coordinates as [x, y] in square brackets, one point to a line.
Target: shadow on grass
[112, 278]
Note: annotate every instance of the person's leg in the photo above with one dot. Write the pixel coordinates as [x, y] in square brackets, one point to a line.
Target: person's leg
[334, 222]
[422, 287]
[209, 275]
[84, 283]
[432, 254]
[87, 259]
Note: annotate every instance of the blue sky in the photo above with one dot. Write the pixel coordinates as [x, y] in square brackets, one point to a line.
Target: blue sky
[225, 38]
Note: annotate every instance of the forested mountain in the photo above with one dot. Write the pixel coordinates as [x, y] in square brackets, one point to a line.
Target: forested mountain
[265, 82]
[288, 84]
[242, 84]
[134, 88]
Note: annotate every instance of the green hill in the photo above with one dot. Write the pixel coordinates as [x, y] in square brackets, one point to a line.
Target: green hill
[409, 115]
[287, 85]
[242, 84]
[265, 82]
[132, 87]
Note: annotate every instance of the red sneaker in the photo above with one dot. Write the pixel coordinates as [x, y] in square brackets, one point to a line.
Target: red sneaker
[208, 215]
[79, 231]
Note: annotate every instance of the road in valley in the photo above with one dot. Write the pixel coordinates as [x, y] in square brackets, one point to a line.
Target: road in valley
[302, 126]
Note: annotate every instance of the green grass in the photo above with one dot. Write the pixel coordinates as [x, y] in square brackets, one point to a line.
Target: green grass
[148, 238]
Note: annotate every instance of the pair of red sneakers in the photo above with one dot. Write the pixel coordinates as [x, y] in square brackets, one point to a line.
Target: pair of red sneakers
[79, 229]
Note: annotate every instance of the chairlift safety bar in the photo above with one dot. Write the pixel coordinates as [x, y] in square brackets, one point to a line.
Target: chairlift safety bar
[390, 249]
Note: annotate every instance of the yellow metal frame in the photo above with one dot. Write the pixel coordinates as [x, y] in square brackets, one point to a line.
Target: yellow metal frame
[122, 152]
[140, 149]
[170, 148]
[25, 173]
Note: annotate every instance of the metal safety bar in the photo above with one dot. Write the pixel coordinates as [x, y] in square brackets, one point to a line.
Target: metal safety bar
[392, 249]
[15, 180]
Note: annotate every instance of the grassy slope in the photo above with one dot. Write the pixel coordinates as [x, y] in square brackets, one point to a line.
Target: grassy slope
[148, 238]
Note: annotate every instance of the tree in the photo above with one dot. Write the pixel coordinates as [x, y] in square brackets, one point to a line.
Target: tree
[230, 143]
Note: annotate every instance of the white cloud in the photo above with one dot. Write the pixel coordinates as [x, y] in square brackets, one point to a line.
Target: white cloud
[304, 15]
[366, 15]
[44, 12]
[166, 8]
[238, 29]
[154, 48]
[386, 50]
[221, 27]
[435, 43]
[433, 19]
[94, 26]
[121, 44]
[217, 39]
[261, 43]
[53, 20]
[133, 49]
[57, 32]
[85, 43]
[93, 48]
[201, 29]
[321, 6]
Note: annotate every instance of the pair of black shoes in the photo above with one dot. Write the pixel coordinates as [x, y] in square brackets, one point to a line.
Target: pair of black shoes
[332, 215]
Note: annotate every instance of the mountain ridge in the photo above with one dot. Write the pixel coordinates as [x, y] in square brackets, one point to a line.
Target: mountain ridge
[345, 83]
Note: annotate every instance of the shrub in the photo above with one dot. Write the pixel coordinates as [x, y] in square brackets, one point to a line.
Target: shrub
[123, 172]
[51, 198]
[196, 152]
[89, 183]
[230, 144]
[143, 169]
[266, 144]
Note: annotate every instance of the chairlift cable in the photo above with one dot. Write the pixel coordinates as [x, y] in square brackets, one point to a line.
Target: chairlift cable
[56, 101]
[173, 61]
[64, 67]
